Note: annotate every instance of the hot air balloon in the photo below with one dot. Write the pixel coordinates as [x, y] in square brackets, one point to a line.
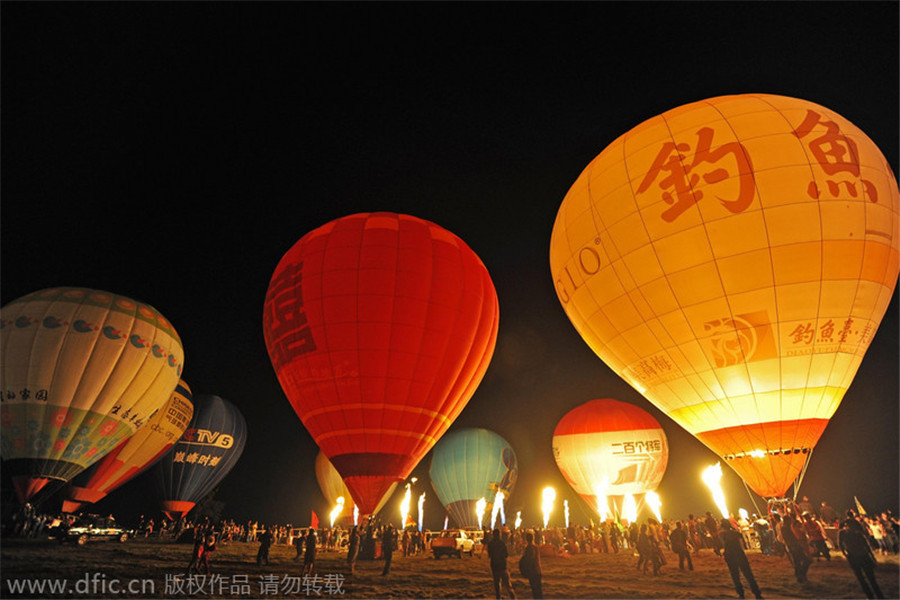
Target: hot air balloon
[80, 371]
[379, 326]
[207, 451]
[333, 487]
[468, 465]
[732, 259]
[611, 448]
[134, 455]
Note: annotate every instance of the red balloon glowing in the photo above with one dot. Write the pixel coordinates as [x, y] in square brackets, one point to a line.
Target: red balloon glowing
[380, 326]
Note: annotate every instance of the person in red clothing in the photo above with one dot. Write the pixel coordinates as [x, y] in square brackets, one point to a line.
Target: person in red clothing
[206, 551]
[816, 534]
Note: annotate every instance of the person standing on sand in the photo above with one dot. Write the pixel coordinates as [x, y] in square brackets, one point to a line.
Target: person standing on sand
[679, 541]
[309, 559]
[266, 539]
[712, 530]
[388, 538]
[196, 553]
[497, 553]
[353, 549]
[733, 543]
[298, 544]
[853, 544]
[530, 566]
[206, 551]
[796, 548]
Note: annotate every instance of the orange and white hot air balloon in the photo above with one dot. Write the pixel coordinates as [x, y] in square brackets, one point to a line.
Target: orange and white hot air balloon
[134, 455]
[606, 449]
[732, 259]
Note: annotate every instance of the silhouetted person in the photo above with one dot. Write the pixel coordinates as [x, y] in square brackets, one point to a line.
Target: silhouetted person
[712, 529]
[266, 539]
[309, 558]
[853, 544]
[353, 549]
[796, 548]
[498, 553]
[387, 548]
[733, 543]
[530, 566]
[678, 539]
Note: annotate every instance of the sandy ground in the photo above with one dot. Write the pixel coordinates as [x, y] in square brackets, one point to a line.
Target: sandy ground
[153, 569]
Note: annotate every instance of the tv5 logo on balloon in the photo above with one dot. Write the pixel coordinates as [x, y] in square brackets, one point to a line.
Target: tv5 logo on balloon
[205, 437]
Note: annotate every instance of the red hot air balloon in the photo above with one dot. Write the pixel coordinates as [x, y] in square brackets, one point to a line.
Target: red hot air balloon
[379, 326]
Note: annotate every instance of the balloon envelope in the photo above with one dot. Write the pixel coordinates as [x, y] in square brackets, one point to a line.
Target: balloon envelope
[470, 464]
[379, 326]
[333, 486]
[205, 454]
[731, 259]
[610, 444]
[135, 454]
[81, 371]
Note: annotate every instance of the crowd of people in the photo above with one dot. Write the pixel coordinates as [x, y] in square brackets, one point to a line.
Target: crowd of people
[799, 533]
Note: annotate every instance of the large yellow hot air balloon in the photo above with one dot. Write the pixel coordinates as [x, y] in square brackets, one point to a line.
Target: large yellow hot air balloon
[80, 371]
[731, 259]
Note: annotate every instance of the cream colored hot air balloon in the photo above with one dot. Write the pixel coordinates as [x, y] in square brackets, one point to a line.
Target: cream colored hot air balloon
[333, 486]
[134, 455]
[80, 371]
[732, 259]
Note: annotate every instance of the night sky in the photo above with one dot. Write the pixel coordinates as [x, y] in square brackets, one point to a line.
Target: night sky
[174, 152]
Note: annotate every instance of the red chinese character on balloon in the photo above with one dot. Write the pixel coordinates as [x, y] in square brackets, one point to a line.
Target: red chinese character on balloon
[803, 334]
[680, 178]
[836, 154]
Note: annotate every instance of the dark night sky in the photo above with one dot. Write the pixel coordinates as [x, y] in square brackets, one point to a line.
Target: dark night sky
[173, 152]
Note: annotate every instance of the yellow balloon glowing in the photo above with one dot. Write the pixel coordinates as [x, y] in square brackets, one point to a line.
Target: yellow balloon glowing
[732, 259]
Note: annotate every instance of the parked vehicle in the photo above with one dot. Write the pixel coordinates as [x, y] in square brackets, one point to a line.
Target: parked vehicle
[91, 528]
[452, 542]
